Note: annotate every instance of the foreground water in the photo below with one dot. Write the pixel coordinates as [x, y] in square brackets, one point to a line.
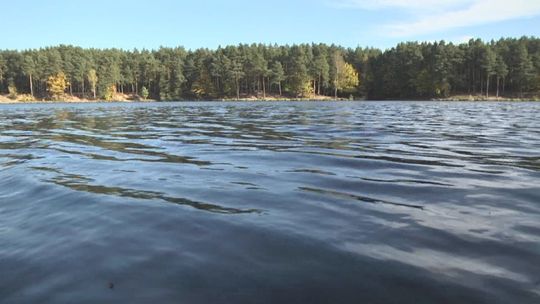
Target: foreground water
[370, 202]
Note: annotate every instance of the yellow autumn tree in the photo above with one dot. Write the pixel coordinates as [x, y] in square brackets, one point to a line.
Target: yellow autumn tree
[57, 85]
[346, 76]
[110, 92]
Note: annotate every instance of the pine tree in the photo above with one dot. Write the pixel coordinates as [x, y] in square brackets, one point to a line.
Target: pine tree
[501, 71]
[2, 69]
[278, 75]
[523, 67]
[298, 77]
[489, 61]
[321, 71]
[29, 69]
[237, 74]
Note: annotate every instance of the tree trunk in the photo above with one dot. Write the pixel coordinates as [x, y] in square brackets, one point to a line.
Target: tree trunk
[82, 84]
[258, 87]
[487, 86]
[319, 85]
[481, 86]
[31, 86]
[473, 81]
[237, 89]
[498, 78]
[336, 81]
[264, 88]
[279, 85]
[469, 79]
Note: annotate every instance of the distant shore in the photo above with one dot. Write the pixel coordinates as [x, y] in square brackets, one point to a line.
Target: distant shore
[25, 98]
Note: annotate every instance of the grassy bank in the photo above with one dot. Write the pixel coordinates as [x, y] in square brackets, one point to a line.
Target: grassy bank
[27, 98]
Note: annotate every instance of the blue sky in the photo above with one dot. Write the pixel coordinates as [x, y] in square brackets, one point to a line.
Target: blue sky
[210, 23]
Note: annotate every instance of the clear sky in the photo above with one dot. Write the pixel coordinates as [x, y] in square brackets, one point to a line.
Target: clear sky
[209, 23]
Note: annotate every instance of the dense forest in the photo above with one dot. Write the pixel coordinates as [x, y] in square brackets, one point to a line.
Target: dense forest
[507, 67]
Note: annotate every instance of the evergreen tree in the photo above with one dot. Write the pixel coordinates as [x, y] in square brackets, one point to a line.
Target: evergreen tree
[522, 67]
[321, 71]
[29, 69]
[236, 73]
[2, 69]
[298, 76]
[278, 75]
[489, 61]
[501, 71]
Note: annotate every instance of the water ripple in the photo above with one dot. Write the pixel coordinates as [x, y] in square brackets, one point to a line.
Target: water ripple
[270, 202]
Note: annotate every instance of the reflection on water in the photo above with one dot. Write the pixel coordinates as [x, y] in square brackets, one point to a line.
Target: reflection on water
[385, 202]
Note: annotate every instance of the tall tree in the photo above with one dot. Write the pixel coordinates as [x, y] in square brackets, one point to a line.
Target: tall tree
[92, 80]
[489, 61]
[298, 77]
[278, 75]
[236, 73]
[501, 71]
[2, 69]
[29, 69]
[321, 71]
[345, 76]
[80, 68]
[523, 67]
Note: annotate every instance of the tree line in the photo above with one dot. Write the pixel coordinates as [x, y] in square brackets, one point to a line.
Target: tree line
[507, 67]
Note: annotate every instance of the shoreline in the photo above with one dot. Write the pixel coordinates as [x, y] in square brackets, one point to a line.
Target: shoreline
[124, 99]
[484, 98]
[27, 99]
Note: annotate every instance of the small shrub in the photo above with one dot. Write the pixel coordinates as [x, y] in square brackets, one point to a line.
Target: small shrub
[144, 93]
[26, 98]
[12, 91]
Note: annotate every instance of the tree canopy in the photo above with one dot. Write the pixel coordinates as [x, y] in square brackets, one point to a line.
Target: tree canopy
[507, 67]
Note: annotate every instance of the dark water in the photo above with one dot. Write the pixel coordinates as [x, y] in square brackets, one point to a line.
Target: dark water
[387, 202]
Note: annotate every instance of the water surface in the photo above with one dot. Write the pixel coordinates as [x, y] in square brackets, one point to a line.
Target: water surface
[305, 202]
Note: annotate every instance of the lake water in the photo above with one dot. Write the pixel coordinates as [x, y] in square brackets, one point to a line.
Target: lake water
[305, 202]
